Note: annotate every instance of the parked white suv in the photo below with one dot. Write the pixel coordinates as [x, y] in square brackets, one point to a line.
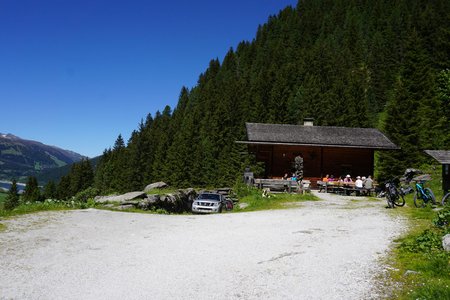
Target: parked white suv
[211, 203]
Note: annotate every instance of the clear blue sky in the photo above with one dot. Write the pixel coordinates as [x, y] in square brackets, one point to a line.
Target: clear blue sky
[77, 73]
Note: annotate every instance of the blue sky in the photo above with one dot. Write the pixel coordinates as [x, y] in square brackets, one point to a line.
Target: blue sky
[77, 73]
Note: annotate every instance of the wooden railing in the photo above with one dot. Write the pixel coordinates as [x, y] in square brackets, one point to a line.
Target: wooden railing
[285, 185]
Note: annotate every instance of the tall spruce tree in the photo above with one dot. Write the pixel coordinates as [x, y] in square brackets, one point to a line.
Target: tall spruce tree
[81, 176]
[442, 117]
[63, 188]
[31, 192]
[12, 198]
[50, 190]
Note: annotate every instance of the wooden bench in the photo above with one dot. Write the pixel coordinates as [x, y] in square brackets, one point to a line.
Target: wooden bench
[276, 184]
[322, 186]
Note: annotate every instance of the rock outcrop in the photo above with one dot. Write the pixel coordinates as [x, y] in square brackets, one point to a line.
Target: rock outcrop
[155, 185]
[125, 198]
[446, 242]
[177, 202]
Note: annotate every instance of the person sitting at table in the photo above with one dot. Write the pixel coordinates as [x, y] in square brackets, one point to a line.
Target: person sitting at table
[348, 179]
[326, 178]
[368, 184]
[294, 177]
[364, 191]
[358, 185]
[347, 182]
[358, 182]
[331, 179]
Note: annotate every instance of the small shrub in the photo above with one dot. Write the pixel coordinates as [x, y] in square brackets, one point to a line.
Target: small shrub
[426, 242]
[242, 190]
[160, 211]
[431, 290]
[442, 218]
[86, 194]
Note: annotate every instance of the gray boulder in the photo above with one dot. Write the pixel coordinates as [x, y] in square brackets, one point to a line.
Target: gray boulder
[156, 185]
[99, 199]
[178, 202]
[125, 207]
[187, 197]
[243, 205]
[446, 242]
[149, 202]
[122, 198]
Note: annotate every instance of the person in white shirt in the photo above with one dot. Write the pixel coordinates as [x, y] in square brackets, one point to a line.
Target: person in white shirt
[358, 182]
[358, 185]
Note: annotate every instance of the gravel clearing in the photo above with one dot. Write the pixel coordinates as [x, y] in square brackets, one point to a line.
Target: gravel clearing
[329, 249]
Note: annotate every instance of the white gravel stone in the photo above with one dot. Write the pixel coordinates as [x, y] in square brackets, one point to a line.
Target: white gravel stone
[329, 249]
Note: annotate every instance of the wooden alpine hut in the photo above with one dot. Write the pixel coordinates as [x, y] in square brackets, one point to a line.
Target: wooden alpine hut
[325, 150]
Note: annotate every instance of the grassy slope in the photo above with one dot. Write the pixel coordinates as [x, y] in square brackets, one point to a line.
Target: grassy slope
[419, 264]
[2, 199]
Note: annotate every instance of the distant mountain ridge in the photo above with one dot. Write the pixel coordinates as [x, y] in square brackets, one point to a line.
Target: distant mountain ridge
[20, 157]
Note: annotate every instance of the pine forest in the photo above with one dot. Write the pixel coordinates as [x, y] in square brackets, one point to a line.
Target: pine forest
[354, 63]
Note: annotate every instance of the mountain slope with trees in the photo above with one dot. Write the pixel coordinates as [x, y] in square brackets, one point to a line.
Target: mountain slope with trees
[20, 158]
[347, 63]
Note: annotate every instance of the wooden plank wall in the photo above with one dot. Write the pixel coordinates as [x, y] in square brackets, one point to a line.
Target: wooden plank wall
[318, 161]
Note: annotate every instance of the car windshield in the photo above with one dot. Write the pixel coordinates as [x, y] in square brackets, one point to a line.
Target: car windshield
[209, 197]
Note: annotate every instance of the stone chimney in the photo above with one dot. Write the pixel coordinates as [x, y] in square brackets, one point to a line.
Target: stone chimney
[308, 122]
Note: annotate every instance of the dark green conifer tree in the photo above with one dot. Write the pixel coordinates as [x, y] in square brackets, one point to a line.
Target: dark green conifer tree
[50, 190]
[81, 176]
[31, 192]
[12, 198]
[442, 117]
[134, 158]
[179, 154]
[103, 172]
[63, 189]
[162, 139]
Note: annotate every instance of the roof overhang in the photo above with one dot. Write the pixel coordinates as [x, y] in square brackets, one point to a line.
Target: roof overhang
[317, 136]
[442, 156]
[314, 145]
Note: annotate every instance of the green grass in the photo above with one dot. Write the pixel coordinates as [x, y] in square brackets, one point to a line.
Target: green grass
[2, 199]
[57, 161]
[48, 205]
[256, 201]
[11, 151]
[420, 250]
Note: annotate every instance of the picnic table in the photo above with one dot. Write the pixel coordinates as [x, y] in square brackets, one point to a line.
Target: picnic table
[342, 188]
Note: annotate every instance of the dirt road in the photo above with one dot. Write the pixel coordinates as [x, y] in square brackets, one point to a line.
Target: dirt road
[329, 249]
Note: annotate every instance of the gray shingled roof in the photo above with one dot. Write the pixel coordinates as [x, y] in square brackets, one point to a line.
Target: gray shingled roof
[442, 156]
[327, 136]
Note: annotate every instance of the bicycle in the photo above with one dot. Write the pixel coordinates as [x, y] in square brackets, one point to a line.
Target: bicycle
[446, 199]
[423, 195]
[394, 195]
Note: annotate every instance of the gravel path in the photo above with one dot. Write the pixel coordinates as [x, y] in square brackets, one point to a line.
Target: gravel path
[328, 249]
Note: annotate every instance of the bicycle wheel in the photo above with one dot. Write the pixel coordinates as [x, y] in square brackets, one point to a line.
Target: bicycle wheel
[446, 199]
[430, 195]
[390, 203]
[399, 200]
[418, 201]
